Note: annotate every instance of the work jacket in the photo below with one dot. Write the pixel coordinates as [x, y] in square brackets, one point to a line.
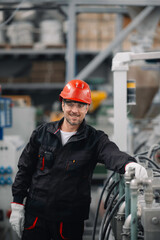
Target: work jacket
[56, 179]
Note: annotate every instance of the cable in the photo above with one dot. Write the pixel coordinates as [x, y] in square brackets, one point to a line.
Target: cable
[106, 213]
[101, 237]
[152, 148]
[143, 153]
[109, 192]
[139, 147]
[140, 237]
[149, 160]
[99, 203]
[156, 170]
[108, 233]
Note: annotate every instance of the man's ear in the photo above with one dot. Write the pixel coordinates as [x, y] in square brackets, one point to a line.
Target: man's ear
[63, 105]
[87, 108]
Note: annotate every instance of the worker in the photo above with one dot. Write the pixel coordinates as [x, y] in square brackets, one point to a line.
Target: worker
[51, 191]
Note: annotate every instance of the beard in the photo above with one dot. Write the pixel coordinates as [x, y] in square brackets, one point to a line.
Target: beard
[73, 123]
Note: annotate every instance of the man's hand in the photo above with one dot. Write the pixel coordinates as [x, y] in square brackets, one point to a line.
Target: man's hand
[140, 172]
[17, 218]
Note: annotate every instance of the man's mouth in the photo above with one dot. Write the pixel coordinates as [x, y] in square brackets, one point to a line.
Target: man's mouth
[74, 116]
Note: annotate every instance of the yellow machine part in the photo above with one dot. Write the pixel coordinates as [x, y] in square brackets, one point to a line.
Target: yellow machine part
[20, 100]
[97, 98]
[56, 116]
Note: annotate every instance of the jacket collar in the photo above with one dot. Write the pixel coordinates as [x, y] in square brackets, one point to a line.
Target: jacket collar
[54, 128]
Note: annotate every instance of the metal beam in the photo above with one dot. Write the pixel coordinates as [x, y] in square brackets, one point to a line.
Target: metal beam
[91, 2]
[102, 9]
[32, 86]
[70, 55]
[32, 51]
[119, 2]
[119, 28]
[105, 53]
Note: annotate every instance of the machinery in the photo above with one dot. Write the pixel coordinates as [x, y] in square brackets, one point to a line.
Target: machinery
[132, 207]
[10, 149]
[97, 98]
[120, 66]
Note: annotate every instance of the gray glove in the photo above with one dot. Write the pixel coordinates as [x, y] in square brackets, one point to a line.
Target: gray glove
[17, 218]
[140, 171]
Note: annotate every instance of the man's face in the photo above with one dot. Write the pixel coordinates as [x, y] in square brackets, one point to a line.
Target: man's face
[74, 112]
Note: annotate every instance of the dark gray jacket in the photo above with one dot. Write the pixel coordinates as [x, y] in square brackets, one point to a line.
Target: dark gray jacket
[56, 179]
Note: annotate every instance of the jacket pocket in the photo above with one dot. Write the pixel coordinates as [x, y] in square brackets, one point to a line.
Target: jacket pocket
[77, 164]
[62, 232]
[30, 222]
[77, 168]
[71, 230]
[46, 160]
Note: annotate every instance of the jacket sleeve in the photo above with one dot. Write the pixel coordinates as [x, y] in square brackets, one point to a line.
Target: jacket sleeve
[26, 166]
[110, 155]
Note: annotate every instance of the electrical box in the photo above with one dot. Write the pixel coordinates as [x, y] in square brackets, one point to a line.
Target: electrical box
[5, 112]
[10, 150]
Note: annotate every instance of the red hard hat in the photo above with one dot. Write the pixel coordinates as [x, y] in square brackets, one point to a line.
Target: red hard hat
[76, 90]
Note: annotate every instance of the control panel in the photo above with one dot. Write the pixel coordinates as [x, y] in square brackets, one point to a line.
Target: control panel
[10, 150]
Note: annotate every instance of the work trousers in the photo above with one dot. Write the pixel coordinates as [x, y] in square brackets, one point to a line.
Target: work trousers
[41, 229]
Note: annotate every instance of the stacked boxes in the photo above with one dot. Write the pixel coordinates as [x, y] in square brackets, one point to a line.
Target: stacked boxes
[95, 30]
[48, 72]
[156, 41]
[41, 72]
[128, 43]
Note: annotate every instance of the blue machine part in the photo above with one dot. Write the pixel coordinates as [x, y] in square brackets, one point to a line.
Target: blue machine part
[8, 170]
[2, 181]
[2, 170]
[8, 181]
[5, 114]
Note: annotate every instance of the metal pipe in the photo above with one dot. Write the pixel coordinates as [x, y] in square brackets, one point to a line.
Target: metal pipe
[120, 218]
[134, 218]
[127, 199]
[127, 228]
[121, 210]
[71, 43]
[120, 109]
[105, 53]
[121, 186]
[128, 177]
[148, 194]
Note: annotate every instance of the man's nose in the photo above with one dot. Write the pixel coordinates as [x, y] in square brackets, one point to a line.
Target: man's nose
[75, 108]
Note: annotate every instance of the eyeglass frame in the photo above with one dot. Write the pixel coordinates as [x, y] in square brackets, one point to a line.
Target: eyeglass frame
[80, 104]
